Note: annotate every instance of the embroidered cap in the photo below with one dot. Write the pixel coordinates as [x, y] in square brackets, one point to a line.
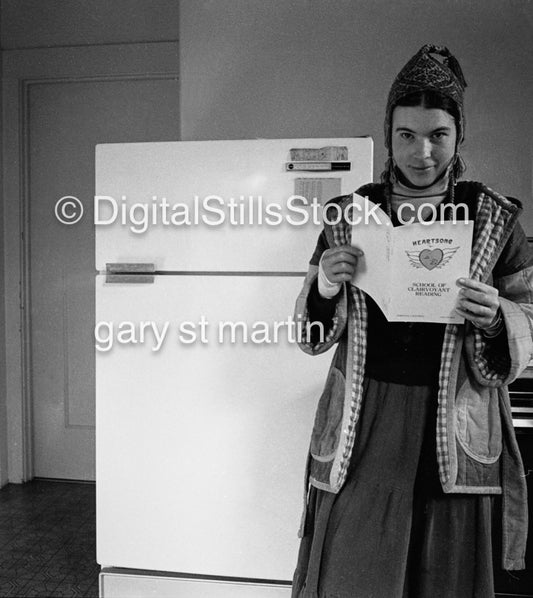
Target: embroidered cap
[431, 68]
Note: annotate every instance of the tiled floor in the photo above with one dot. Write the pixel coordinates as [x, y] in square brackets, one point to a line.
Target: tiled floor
[47, 540]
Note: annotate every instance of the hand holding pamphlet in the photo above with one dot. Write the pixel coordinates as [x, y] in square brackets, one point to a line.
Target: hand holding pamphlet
[410, 270]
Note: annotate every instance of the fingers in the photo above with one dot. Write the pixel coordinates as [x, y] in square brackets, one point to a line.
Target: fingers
[339, 264]
[478, 302]
[475, 285]
[344, 250]
[479, 316]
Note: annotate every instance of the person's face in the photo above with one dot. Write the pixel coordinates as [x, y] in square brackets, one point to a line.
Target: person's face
[423, 142]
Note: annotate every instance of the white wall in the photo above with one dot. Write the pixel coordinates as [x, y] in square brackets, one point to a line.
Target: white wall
[313, 68]
[45, 23]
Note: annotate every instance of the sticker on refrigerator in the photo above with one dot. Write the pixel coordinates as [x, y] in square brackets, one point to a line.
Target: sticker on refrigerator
[321, 189]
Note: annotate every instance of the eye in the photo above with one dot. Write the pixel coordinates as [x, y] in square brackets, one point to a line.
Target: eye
[440, 135]
[406, 135]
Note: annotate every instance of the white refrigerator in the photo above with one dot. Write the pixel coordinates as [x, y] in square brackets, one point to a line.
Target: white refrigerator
[204, 402]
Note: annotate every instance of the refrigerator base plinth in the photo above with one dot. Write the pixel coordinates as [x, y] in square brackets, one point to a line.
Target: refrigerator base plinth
[121, 583]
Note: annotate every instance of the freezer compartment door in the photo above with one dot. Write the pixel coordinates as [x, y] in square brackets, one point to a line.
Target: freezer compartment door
[201, 438]
[217, 205]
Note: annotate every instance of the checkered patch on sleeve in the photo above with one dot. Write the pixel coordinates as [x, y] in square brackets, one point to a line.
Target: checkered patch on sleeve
[359, 320]
[492, 366]
[491, 218]
[448, 348]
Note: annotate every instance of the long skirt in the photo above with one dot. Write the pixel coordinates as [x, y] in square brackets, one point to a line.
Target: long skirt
[391, 532]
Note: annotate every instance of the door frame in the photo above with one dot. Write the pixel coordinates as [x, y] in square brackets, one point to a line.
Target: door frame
[22, 69]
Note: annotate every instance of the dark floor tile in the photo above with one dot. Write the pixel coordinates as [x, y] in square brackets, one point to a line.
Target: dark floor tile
[73, 590]
[19, 571]
[35, 562]
[92, 592]
[11, 587]
[10, 527]
[23, 543]
[6, 573]
[69, 559]
[8, 559]
[82, 575]
[37, 588]
[44, 574]
[54, 570]
[47, 540]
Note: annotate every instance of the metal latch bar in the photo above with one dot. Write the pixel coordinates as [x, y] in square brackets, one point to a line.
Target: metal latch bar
[124, 272]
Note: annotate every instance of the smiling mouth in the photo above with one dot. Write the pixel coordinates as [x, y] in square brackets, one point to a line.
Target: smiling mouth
[421, 168]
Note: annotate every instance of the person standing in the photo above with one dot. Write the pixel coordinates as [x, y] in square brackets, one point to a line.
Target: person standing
[413, 453]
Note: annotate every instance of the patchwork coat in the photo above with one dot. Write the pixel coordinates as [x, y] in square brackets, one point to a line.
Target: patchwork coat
[477, 450]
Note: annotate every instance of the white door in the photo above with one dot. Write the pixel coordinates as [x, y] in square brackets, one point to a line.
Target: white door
[64, 118]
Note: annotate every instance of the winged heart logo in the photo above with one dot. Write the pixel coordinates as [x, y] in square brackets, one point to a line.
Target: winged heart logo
[431, 258]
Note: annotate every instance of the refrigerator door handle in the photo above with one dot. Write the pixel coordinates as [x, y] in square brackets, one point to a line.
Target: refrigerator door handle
[123, 272]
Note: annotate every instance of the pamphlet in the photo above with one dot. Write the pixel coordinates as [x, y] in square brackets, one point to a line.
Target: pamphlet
[411, 270]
